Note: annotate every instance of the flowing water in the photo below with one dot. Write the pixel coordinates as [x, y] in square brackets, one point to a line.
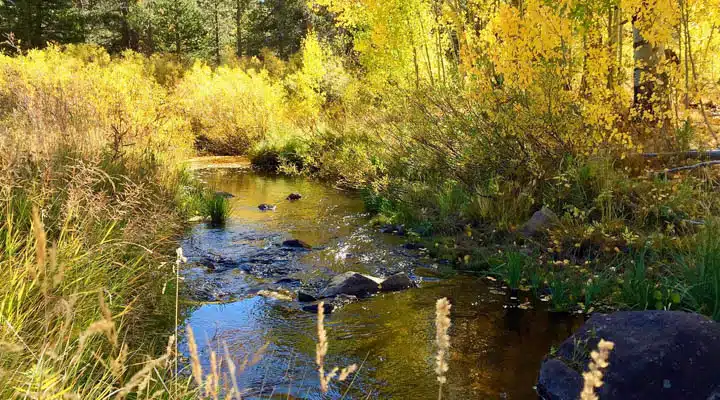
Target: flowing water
[496, 350]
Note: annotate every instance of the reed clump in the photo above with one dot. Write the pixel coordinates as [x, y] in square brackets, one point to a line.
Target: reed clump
[218, 208]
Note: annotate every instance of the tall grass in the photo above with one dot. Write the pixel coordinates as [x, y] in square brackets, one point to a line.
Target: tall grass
[698, 272]
[218, 208]
[89, 200]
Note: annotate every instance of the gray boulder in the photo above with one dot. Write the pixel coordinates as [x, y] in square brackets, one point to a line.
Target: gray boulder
[396, 282]
[351, 283]
[539, 222]
[657, 355]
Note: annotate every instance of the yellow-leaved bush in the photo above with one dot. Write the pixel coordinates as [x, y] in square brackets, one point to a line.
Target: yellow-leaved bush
[231, 109]
[82, 98]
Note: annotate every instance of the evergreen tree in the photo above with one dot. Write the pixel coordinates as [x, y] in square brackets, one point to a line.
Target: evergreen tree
[34, 23]
[173, 26]
[106, 23]
[277, 24]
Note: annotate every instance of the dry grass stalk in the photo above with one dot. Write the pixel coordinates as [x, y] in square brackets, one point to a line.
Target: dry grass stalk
[232, 370]
[442, 340]
[212, 385]
[593, 377]
[194, 357]
[142, 378]
[40, 271]
[321, 348]
[347, 371]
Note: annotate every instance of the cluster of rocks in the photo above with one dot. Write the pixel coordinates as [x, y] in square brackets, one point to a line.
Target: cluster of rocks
[273, 207]
[348, 287]
[394, 229]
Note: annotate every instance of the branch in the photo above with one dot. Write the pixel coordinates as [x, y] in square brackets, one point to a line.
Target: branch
[689, 167]
[709, 154]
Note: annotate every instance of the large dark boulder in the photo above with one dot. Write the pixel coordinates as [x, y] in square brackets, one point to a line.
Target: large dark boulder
[657, 355]
[351, 283]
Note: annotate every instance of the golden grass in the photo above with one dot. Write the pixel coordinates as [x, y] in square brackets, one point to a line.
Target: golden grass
[321, 348]
[592, 379]
[442, 340]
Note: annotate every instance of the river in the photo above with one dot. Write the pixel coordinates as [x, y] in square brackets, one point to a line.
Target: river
[496, 350]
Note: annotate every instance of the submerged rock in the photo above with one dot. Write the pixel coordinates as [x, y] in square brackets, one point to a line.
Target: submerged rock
[225, 195]
[267, 207]
[216, 262]
[396, 282]
[296, 244]
[313, 308]
[396, 229]
[288, 282]
[657, 355]
[539, 222]
[277, 295]
[294, 196]
[352, 283]
[331, 305]
[342, 300]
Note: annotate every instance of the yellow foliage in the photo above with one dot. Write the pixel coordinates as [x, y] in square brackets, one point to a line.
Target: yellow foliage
[84, 99]
[231, 107]
[399, 41]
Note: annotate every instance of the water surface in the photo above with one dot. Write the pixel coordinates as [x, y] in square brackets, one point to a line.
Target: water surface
[496, 350]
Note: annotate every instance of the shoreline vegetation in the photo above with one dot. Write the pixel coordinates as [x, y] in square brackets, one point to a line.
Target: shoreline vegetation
[457, 125]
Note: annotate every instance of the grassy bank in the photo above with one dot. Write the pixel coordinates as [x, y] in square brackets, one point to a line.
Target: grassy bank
[91, 202]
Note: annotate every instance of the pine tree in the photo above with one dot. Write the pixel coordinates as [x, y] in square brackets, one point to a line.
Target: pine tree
[173, 26]
[34, 23]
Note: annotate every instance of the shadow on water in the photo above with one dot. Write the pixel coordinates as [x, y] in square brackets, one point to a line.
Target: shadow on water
[496, 351]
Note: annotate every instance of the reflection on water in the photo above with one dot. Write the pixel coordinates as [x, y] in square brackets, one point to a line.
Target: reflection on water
[496, 352]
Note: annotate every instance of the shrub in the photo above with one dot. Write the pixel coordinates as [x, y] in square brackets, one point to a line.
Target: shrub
[231, 110]
[86, 102]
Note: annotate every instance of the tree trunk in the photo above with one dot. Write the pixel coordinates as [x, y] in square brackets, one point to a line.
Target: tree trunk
[216, 20]
[129, 38]
[648, 86]
[239, 11]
